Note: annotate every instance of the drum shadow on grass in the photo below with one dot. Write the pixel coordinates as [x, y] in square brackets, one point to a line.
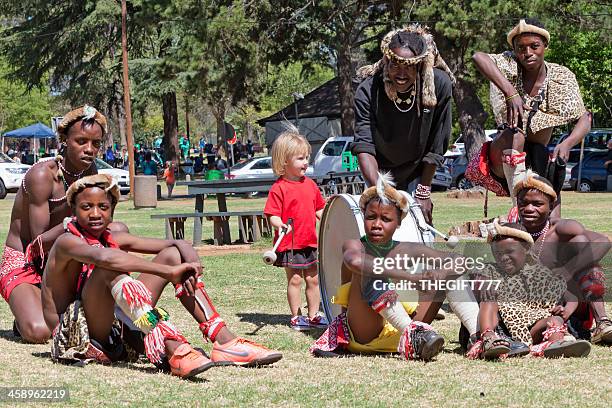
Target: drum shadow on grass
[261, 320]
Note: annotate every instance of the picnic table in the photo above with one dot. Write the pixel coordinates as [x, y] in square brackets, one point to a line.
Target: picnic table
[335, 183]
[200, 188]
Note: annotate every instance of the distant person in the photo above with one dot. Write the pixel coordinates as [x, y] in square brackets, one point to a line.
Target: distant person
[210, 154]
[608, 163]
[170, 177]
[220, 164]
[149, 166]
[249, 149]
[188, 166]
[198, 164]
[109, 157]
[237, 152]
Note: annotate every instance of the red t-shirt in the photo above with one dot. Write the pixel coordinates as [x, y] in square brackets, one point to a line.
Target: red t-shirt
[299, 200]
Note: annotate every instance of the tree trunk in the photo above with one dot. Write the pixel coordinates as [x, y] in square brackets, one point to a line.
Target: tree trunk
[219, 114]
[470, 111]
[471, 116]
[120, 112]
[187, 117]
[345, 88]
[108, 138]
[170, 140]
[249, 132]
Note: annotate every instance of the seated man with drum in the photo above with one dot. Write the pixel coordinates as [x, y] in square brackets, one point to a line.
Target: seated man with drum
[374, 320]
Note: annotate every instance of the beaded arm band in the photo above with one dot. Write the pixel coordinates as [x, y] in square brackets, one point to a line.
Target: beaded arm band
[423, 192]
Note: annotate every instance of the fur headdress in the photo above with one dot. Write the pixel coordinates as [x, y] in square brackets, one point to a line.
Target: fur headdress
[427, 60]
[386, 192]
[523, 27]
[497, 230]
[103, 181]
[531, 179]
[85, 112]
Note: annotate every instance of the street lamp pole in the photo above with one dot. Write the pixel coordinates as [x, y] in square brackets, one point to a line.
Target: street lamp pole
[296, 97]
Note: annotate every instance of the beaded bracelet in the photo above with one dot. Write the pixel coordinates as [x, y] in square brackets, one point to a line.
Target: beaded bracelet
[423, 192]
[512, 96]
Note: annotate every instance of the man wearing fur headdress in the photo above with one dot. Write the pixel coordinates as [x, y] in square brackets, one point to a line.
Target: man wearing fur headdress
[403, 113]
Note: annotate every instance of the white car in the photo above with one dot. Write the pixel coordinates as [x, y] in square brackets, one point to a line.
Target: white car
[252, 168]
[329, 157]
[11, 174]
[458, 148]
[121, 177]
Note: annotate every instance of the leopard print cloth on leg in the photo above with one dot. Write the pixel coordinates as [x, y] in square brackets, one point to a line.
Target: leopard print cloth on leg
[71, 343]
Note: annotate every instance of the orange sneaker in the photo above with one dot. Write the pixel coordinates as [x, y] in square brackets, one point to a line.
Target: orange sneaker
[187, 362]
[244, 353]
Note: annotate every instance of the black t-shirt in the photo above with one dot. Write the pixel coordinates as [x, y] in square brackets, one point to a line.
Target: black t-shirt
[609, 158]
[401, 141]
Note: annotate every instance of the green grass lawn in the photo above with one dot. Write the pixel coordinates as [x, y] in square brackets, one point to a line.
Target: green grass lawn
[252, 299]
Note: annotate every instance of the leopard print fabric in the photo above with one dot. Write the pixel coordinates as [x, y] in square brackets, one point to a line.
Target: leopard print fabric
[71, 337]
[525, 297]
[71, 343]
[561, 104]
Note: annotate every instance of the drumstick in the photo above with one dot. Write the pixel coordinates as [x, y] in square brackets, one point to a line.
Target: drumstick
[269, 257]
[451, 241]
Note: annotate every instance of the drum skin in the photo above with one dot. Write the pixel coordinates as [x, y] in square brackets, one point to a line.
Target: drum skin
[342, 220]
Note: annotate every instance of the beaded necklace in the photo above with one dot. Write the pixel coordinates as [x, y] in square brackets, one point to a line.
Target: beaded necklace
[545, 232]
[410, 101]
[378, 249]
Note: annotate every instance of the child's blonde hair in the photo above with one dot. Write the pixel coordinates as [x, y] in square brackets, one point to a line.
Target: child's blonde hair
[288, 144]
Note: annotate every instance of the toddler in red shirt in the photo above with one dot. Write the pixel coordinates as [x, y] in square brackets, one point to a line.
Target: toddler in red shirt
[297, 197]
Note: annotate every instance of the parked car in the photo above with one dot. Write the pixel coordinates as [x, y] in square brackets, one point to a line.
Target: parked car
[121, 177]
[594, 141]
[329, 157]
[11, 175]
[252, 168]
[442, 179]
[594, 175]
[457, 166]
[458, 147]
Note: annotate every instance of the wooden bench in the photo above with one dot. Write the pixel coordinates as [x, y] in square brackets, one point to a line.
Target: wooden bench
[251, 224]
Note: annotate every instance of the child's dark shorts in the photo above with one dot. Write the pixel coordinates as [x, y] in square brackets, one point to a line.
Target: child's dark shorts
[302, 258]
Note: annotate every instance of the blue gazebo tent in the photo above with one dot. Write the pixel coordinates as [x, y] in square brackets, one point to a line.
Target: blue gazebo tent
[37, 131]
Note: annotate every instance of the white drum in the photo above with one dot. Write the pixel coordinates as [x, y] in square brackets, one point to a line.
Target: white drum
[342, 219]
